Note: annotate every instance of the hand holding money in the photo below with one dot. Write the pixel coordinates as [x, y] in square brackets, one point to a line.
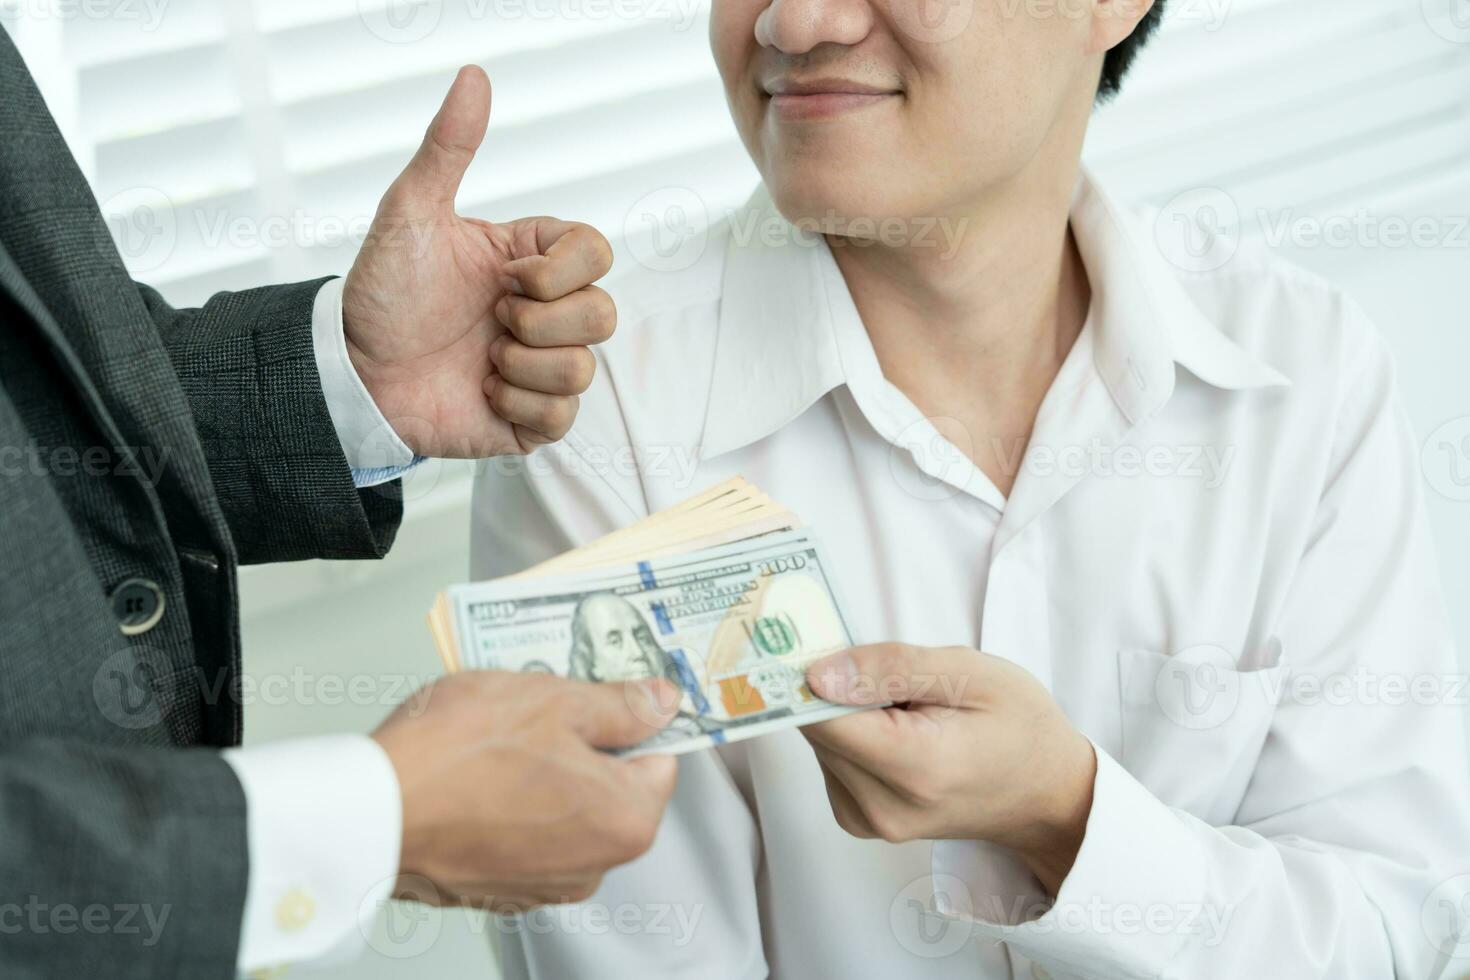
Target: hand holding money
[725, 596]
[508, 801]
[975, 749]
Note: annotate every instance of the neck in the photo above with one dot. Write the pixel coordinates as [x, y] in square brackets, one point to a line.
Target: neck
[993, 289]
[976, 329]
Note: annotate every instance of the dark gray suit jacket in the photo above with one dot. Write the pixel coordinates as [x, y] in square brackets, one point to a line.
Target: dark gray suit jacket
[111, 792]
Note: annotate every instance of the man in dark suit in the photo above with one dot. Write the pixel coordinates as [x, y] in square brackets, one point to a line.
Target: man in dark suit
[146, 452]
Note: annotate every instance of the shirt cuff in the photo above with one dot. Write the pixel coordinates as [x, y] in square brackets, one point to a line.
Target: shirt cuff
[324, 824]
[374, 451]
[1138, 876]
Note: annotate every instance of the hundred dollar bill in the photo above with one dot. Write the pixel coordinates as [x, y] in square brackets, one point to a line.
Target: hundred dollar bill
[734, 627]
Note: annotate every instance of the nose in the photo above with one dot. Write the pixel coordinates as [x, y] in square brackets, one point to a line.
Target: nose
[797, 26]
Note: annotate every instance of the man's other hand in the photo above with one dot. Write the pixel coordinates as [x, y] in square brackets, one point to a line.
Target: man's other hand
[508, 801]
[472, 337]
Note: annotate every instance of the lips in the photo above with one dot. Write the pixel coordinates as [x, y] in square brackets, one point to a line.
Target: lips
[795, 99]
[784, 85]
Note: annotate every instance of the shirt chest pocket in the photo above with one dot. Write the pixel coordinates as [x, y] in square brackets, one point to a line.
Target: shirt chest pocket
[1193, 724]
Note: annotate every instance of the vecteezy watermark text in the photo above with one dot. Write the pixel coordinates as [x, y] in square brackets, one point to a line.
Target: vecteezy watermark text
[411, 21]
[130, 689]
[146, 14]
[41, 918]
[144, 463]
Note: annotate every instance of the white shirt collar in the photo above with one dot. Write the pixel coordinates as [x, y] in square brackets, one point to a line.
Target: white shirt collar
[778, 347]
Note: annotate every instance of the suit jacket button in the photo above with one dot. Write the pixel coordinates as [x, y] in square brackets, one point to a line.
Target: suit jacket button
[138, 605]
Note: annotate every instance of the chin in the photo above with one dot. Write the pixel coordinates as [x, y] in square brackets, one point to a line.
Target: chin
[830, 171]
[819, 190]
[815, 197]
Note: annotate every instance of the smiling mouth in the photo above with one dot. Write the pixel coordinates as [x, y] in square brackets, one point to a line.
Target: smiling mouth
[793, 101]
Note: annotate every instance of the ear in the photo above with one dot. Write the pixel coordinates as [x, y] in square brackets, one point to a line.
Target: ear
[1113, 21]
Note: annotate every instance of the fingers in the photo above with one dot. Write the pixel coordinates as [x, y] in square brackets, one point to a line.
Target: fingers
[872, 808]
[568, 257]
[544, 363]
[546, 418]
[553, 312]
[849, 815]
[654, 775]
[647, 784]
[586, 317]
[434, 174]
[884, 673]
[874, 740]
[554, 370]
[630, 806]
[616, 716]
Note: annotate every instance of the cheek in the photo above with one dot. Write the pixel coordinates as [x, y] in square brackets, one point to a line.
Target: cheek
[732, 42]
[987, 99]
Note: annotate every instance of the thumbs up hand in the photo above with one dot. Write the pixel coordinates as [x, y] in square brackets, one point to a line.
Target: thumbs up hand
[470, 336]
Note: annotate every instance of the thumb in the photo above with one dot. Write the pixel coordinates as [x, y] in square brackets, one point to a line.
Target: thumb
[883, 673]
[434, 173]
[616, 716]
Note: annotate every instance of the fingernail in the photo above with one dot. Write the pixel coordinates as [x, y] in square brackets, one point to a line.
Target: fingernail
[659, 703]
[514, 285]
[832, 677]
[666, 694]
[502, 311]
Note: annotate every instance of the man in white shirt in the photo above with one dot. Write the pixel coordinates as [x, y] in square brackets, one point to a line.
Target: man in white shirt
[1178, 512]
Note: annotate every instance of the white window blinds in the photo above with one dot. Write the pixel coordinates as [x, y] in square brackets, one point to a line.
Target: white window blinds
[248, 141]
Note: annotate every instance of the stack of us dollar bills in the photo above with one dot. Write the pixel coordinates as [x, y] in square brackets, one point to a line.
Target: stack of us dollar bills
[726, 595]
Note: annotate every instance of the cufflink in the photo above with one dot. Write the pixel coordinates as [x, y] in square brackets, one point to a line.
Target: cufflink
[295, 911]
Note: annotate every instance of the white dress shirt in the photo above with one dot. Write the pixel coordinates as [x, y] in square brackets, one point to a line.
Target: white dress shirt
[1214, 556]
[323, 816]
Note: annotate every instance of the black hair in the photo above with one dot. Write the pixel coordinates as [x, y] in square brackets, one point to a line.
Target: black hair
[1117, 61]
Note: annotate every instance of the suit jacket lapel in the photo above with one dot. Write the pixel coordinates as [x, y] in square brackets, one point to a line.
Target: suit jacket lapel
[14, 282]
